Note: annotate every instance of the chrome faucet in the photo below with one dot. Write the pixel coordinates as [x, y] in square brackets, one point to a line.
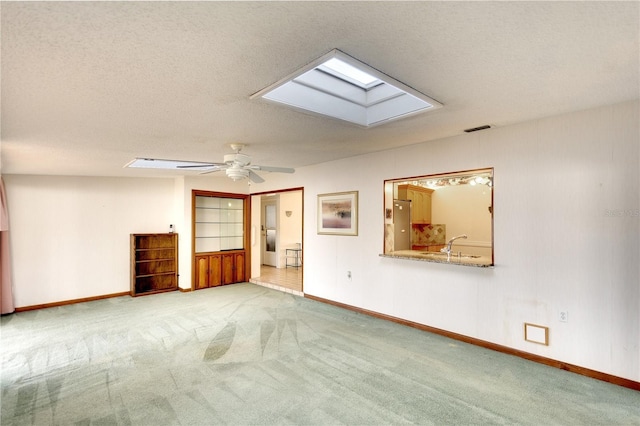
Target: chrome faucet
[447, 249]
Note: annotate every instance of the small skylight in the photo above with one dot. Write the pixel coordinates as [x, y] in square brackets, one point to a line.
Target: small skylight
[152, 163]
[339, 86]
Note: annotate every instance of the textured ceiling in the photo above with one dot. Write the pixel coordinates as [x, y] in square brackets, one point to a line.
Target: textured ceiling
[88, 86]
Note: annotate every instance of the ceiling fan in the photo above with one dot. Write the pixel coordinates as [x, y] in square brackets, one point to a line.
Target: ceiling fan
[237, 166]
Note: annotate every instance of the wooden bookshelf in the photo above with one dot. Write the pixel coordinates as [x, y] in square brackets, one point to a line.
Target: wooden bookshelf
[154, 263]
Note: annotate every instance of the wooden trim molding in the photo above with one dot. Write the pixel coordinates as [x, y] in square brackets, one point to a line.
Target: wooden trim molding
[620, 381]
[71, 302]
[299, 188]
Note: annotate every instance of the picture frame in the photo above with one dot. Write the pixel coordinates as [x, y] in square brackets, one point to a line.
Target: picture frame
[338, 213]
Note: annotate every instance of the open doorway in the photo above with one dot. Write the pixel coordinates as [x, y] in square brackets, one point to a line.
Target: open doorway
[277, 249]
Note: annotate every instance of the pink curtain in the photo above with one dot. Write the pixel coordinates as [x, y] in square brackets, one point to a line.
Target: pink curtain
[6, 292]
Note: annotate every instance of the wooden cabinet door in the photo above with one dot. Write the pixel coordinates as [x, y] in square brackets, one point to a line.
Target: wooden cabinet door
[420, 202]
[215, 270]
[239, 264]
[212, 270]
[202, 272]
[208, 271]
[426, 208]
[228, 267]
[233, 268]
[416, 207]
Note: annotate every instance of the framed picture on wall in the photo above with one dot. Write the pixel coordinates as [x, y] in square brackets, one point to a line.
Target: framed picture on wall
[338, 213]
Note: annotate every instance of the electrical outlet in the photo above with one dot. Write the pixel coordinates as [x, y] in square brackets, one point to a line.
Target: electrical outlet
[349, 275]
[564, 316]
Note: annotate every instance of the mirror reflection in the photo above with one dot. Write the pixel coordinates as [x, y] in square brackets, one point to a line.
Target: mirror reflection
[445, 218]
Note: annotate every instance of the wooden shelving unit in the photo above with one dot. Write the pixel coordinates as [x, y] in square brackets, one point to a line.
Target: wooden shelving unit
[154, 263]
[220, 239]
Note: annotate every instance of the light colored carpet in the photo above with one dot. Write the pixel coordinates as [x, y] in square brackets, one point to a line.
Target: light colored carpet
[245, 354]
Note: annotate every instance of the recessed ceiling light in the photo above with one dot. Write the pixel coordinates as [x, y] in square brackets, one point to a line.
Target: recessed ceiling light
[340, 86]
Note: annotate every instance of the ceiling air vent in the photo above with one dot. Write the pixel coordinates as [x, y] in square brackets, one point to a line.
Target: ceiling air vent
[475, 129]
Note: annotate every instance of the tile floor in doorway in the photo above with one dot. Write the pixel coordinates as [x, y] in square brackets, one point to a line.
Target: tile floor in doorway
[288, 280]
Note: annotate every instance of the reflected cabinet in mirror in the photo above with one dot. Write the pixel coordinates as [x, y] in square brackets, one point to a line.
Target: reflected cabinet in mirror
[444, 218]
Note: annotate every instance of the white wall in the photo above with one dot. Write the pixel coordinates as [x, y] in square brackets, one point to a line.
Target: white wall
[566, 236]
[70, 235]
[256, 235]
[465, 210]
[289, 228]
[559, 243]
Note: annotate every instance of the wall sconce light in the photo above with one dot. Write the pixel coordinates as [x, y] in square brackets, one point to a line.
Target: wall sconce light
[288, 213]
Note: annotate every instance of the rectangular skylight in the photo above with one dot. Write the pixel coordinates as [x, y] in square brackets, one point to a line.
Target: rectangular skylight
[339, 86]
[152, 163]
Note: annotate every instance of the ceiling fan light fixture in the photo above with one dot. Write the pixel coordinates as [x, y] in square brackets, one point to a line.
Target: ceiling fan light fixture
[237, 174]
[339, 86]
[237, 158]
[237, 166]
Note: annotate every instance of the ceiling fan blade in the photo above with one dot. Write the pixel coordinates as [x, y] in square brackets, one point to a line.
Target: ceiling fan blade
[254, 177]
[273, 169]
[206, 172]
